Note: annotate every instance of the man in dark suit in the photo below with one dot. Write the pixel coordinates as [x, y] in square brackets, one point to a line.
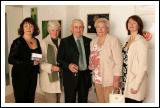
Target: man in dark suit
[73, 57]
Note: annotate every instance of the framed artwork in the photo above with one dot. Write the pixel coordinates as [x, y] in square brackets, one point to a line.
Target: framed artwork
[34, 15]
[91, 18]
[6, 51]
[44, 28]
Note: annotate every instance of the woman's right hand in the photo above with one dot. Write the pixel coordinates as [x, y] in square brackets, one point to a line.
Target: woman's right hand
[36, 62]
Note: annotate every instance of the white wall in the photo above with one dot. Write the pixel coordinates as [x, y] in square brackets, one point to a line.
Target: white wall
[71, 13]
[14, 18]
[118, 17]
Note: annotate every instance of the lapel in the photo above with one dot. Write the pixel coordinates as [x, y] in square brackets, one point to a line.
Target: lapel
[132, 48]
[85, 44]
[73, 43]
[49, 41]
[106, 42]
[137, 38]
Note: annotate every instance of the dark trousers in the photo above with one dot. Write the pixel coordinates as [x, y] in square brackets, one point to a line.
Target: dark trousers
[24, 88]
[80, 91]
[128, 100]
[71, 95]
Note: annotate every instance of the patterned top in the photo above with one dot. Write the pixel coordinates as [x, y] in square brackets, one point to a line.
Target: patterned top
[94, 64]
[124, 68]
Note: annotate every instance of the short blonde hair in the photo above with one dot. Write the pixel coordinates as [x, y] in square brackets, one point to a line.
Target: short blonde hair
[53, 23]
[103, 20]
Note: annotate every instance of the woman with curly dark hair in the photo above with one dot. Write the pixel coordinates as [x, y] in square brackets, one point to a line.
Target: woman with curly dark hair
[25, 69]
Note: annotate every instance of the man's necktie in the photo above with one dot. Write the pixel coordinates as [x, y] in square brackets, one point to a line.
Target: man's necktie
[81, 60]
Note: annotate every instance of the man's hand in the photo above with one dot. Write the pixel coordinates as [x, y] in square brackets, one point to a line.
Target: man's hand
[73, 68]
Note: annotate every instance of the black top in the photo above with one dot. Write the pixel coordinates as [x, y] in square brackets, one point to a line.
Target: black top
[55, 41]
[125, 67]
[20, 58]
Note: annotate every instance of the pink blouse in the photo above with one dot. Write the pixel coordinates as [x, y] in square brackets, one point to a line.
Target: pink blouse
[94, 64]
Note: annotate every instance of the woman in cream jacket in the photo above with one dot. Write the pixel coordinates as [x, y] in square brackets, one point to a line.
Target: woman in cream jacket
[135, 53]
[50, 85]
[105, 61]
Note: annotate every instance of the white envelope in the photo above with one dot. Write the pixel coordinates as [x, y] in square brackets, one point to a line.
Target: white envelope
[36, 56]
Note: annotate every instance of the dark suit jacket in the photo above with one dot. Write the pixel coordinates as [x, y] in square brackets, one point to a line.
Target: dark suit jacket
[68, 53]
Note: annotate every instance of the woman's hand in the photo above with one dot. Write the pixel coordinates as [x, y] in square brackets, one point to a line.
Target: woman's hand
[55, 68]
[133, 91]
[116, 81]
[36, 62]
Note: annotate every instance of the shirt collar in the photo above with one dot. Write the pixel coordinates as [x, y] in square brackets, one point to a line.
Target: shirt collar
[75, 38]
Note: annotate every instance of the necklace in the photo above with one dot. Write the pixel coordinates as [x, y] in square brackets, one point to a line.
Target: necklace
[29, 42]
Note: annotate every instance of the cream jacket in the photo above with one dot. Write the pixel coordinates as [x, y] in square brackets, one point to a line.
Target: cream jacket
[110, 59]
[45, 68]
[137, 69]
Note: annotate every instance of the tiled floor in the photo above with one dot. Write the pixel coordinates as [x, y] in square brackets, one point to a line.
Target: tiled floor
[40, 99]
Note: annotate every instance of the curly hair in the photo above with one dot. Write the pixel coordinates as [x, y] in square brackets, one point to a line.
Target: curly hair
[137, 19]
[31, 21]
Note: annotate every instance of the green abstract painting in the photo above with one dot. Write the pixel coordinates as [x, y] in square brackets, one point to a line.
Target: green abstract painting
[34, 15]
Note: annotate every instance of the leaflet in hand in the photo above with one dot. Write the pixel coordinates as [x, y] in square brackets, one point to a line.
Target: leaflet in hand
[36, 56]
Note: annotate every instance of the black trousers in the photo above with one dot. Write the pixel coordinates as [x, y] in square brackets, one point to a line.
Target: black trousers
[128, 100]
[24, 88]
[80, 91]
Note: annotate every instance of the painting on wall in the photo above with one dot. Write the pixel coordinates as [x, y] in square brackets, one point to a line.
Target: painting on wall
[44, 28]
[6, 51]
[34, 15]
[91, 18]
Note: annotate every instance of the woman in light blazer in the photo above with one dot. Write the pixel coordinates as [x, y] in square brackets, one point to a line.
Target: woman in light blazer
[105, 61]
[135, 54]
[49, 71]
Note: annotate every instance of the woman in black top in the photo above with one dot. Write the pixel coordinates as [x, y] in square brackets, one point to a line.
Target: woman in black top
[25, 70]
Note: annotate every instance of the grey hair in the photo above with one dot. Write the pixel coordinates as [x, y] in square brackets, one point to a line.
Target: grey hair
[77, 20]
[103, 20]
[53, 23]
